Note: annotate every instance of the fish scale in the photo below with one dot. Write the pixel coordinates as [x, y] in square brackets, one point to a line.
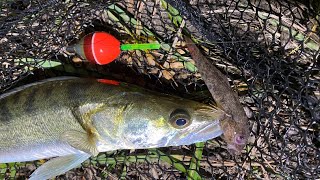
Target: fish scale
[33, 130]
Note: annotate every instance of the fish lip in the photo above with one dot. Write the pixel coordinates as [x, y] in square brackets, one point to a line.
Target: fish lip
[211, 130]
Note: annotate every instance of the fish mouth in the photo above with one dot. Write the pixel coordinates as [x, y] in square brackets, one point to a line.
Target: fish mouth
[195, 134]
[235, 149]
[238, 144]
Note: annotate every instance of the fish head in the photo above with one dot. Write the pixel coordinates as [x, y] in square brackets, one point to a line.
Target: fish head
[188, 123]
[161, 121]
[235, 134]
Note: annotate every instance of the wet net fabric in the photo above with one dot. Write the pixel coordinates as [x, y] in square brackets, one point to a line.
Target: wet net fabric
[269, 50]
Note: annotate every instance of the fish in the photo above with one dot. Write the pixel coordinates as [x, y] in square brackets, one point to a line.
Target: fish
[235, 126]
[70, 119]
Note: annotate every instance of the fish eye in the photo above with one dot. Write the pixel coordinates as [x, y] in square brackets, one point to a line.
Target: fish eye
[181, 122]
[180, 119]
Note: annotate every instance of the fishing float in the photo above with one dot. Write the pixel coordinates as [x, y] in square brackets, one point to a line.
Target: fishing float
[103, 48]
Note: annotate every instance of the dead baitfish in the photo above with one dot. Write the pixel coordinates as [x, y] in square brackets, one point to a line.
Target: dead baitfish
[72, 119]
[235, 126]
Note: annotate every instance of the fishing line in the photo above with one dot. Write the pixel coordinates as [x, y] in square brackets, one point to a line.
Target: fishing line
[156, 46]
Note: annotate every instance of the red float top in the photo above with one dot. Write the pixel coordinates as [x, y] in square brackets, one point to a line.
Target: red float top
[101, 48]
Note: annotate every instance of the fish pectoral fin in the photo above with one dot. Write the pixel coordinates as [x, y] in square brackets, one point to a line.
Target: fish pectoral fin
[58, 165]
[82, 140]
[86, 139]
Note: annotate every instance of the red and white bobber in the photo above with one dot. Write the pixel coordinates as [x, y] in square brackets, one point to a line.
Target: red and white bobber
[98, 48]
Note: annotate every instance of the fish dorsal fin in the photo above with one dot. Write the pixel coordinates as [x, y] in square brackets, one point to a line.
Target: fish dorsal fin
[18, 89]
[58, 165]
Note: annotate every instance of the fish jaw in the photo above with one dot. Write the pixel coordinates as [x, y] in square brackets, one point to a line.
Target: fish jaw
[194, 135]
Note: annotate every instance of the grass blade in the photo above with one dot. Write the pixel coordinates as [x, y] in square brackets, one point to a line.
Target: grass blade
[195, 162]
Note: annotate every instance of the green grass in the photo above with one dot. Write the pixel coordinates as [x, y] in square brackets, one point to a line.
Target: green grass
[195, 162]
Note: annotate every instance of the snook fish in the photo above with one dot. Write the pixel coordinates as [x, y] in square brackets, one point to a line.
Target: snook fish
[73, 119]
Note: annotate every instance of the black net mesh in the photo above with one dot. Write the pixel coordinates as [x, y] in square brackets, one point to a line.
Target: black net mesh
[268, 49]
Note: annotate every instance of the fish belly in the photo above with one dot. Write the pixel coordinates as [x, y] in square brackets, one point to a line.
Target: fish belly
[36, 152]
